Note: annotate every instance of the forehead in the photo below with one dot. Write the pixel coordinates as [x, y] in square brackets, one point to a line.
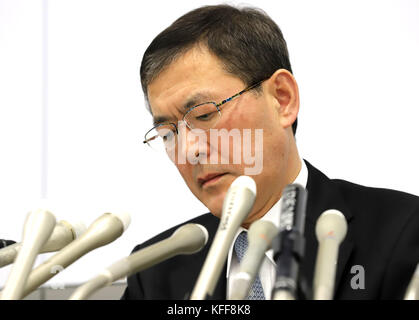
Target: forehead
[197, 74]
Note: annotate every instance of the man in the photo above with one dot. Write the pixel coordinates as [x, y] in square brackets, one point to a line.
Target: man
[223, 68]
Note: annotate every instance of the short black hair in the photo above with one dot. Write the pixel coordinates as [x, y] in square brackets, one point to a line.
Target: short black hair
[247, 41]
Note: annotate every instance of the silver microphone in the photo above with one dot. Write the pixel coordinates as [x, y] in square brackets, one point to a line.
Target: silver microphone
[187, 239]
[102, 231]
[237, 205]
[331, 228]
[260, 235]
[62, 235]
[38, 227]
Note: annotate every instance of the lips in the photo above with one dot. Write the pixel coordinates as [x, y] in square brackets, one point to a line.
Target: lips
[209, 178]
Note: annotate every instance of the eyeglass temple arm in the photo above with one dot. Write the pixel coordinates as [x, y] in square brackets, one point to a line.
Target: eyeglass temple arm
[239, 94]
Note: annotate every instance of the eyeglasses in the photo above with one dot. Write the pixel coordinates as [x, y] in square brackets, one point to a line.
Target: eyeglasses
[203, 116]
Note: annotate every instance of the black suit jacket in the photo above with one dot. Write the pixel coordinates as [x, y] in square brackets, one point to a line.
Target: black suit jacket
[382, 237]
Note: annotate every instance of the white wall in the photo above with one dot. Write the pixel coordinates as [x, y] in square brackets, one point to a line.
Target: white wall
[72, 115]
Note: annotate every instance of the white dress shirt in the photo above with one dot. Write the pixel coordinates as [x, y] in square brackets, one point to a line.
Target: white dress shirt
[267, 271]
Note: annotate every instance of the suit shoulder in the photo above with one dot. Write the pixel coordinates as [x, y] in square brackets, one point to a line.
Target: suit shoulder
[386, 199]
[207, 220]
[355, 191]
[350, 187]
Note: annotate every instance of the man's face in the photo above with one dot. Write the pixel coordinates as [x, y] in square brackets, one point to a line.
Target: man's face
[199, 73]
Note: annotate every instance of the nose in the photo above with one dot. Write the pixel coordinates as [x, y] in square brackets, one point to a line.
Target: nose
[192, 145]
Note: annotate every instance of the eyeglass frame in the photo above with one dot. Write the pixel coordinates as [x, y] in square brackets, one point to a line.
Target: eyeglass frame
[217, 105]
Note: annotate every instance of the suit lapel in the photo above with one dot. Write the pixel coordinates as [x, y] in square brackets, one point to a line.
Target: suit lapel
[323, 195]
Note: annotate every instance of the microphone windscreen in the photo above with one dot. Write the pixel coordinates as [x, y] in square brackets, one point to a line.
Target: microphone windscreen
[190, 237]
[125, 218]
[331, 223]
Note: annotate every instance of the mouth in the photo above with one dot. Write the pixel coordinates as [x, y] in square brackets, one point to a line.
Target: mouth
[210, 179]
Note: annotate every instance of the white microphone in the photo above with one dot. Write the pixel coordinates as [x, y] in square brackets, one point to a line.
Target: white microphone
[102, 231]
[61, 236]
[38, 227]
[331, 228]
[237, 205]
[412, 292]
[187, 239]
[260, 235]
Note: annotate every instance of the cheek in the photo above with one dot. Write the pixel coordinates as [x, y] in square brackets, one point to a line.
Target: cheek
[242, 119]
[185, 171]
[253, 130]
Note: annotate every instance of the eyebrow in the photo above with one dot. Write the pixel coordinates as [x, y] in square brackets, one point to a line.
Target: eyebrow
[197, 98]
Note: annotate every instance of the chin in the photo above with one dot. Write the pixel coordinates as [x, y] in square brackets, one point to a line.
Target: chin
[213, 198]
[216, 211]
[215, 204]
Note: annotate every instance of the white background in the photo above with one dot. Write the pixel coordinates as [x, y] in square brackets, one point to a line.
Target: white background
[72, 112]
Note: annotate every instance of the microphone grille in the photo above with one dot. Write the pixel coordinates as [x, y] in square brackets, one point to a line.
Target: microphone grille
[331, 224]
[125, 218]
[245, 182]
[192, 237]
[263, 229]
[204, 231]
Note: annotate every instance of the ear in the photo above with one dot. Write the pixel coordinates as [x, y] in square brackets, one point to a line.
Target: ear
[284, 91]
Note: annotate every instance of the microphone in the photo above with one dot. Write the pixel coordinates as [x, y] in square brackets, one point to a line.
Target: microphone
[187, 239]
[412, 292]
[38, 226]
[102, 231]
[260, 235]
[331, 228]
[62, 235]
[4, 243]
[290, 243]
[237, 204]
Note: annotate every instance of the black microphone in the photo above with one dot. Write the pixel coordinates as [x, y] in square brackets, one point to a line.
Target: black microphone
[289, 245]
[5, 243]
